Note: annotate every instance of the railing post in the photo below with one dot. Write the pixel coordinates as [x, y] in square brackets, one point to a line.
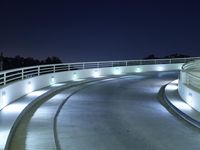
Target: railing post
[22, 74]
[126, 63]
[38, 70]
[83, 67]
[98, 65]
[68, 67]
[4, 79]
[54, 68]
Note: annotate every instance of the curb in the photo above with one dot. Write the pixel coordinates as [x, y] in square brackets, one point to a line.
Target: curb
[183, 115]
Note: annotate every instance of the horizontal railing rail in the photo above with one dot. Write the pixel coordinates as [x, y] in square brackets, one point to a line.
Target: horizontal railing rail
[28, 72]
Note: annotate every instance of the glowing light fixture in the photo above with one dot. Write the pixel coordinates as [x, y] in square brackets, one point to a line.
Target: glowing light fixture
[117, 71]
[159, 68]
[75, 77]
[138, 70]
[52, 80]
[29, 87]
[4, 101]
[3, 94]
[96, 74]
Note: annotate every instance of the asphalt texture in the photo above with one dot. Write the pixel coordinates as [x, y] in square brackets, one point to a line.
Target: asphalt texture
[121, 113]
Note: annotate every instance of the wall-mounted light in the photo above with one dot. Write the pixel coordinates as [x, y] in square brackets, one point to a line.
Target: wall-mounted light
[3, 94]
[117, 71]
[29, 87]
[160, 68]
[138, 70]
[4, 99]
[52, 80]
[96, 73]
[75, 77]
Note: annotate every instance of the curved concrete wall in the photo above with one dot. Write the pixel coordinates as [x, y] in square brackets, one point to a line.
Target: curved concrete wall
[188, 93]
[17, 89]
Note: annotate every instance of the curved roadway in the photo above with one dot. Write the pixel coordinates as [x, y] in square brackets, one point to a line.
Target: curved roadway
[121, 113]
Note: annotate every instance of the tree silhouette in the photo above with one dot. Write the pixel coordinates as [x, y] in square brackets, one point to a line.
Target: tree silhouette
[18, 61]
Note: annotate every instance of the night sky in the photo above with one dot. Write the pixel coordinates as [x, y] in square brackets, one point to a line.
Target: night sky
[99, 30]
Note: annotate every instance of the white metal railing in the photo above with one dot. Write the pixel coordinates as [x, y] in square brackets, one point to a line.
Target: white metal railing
[192, 73]
[28, 72]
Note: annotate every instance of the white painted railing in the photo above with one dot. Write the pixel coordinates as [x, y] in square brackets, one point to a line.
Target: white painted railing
[28, 72]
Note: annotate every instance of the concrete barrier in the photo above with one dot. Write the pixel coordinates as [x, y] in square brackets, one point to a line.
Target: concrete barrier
[14, 90]
[189, 84]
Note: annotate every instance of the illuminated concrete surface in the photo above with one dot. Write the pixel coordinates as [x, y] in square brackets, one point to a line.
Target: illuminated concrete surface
[11, 114]
[179, 106]
[114, 114]
[42, 122]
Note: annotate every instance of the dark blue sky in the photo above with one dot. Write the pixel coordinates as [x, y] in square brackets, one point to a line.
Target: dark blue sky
[99, 30]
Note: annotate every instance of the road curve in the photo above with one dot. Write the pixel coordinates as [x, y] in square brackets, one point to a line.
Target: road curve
[121, 113]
